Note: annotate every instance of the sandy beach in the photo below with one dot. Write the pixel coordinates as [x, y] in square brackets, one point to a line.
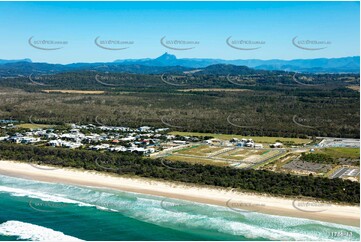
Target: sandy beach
[341, 214]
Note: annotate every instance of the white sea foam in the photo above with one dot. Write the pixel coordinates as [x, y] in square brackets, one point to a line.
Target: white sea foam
[27, 231]
[39, 195]
[58, 198]
[251, 226]
[197, 216]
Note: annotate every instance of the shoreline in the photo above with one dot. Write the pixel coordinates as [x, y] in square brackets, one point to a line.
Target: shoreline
[309, 209]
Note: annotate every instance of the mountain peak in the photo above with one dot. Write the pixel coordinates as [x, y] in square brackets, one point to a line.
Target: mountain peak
[166, 57]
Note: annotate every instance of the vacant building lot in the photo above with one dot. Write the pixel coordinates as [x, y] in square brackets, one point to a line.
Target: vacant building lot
[248, 155]
[74, 91]
[307, 166]
[218, 155]
[201, 150]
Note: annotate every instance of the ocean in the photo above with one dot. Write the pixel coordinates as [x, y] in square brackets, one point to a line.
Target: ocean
[33, 210]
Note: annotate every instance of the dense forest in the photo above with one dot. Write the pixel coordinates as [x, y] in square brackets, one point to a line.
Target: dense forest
[263, 181]
[245, 101]
[216, 76]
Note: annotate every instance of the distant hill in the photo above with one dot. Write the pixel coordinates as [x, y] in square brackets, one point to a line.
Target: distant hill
[27, 68]
[319, 65]
[227, 69]
[13, 61]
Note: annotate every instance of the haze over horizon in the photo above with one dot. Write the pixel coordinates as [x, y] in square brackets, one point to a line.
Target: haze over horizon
[167, 53]
[150, 28]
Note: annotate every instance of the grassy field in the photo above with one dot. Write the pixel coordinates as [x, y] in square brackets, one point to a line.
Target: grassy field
[356, 88]
[199, 160]
[34, 126]
[340, 152]
[74, 91]
[214, 90]
[201, 150]
[258, 139]
[242, 154]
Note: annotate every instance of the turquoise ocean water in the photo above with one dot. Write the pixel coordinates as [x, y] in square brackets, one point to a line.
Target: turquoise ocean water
[32, 210]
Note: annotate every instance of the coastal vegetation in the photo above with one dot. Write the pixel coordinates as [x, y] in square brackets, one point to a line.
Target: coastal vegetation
[262, 181]
[317, 158]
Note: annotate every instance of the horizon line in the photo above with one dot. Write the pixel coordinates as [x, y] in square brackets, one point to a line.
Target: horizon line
[189, 58]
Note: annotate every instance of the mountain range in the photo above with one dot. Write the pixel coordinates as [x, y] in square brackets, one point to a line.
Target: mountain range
[344, 64]
[168, 63]
[13, 61]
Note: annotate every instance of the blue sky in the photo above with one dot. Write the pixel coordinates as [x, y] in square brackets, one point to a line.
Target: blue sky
[209, 23]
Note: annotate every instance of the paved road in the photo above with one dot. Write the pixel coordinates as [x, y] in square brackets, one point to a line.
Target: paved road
[339, 173]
